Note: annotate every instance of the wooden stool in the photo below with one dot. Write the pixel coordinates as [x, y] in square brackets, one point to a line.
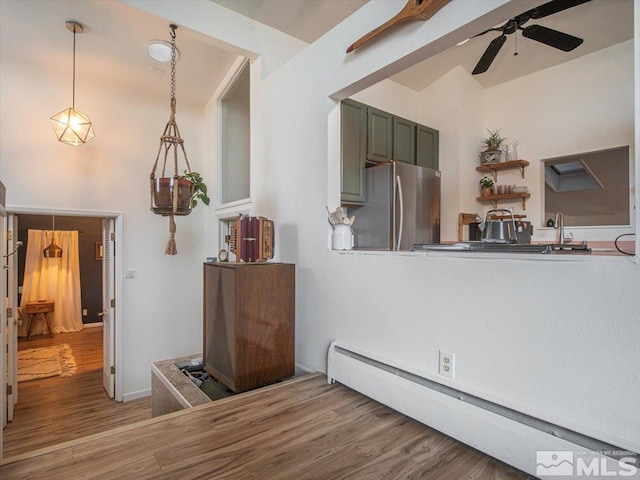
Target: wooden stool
[33, 309]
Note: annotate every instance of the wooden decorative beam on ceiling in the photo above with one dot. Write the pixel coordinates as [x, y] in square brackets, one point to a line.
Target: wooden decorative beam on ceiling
[413, 10]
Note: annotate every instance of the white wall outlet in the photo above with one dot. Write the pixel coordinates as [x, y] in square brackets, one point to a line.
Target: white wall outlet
[84, 312]
[447, 364]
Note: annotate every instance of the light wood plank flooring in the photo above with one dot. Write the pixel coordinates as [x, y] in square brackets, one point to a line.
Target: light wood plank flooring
[301, 429]
[58, 409]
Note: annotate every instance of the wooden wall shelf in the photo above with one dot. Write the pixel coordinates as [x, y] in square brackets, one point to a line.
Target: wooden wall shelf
[494, 199]
[494, 168]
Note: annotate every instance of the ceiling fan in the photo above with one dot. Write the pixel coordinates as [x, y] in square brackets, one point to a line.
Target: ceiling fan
[548, 36]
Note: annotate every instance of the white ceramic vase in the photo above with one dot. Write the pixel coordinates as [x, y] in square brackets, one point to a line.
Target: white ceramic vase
[342, 237]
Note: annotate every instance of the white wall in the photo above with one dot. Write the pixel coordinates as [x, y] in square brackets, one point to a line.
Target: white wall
[228, 30]
[454, 105]
[532, 335]
[162, 305]
[529, 334]
[393, 98]
[580, 106]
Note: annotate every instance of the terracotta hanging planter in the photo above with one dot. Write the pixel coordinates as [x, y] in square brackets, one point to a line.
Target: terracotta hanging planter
[176, 195]
[164, 189]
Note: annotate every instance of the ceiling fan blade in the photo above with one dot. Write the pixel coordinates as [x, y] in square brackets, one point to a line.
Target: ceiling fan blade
[487, 31]
[553, 38]
[552, 7]
[489, 54]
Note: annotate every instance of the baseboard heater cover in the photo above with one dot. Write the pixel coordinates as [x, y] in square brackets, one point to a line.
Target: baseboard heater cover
[409, 393]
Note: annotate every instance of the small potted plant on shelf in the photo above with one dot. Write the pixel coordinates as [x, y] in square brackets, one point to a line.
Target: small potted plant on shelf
[492, 143]
[486, 186]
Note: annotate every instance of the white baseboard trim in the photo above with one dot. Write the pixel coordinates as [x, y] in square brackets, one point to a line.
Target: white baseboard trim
[127, 397]
[92, 324]
[499, 436]
[303, 368]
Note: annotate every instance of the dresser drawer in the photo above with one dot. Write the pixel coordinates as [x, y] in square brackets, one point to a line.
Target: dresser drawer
[39, 307]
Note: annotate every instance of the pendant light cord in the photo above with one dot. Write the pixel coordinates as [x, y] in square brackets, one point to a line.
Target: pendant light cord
[71, 126]
[73, 94]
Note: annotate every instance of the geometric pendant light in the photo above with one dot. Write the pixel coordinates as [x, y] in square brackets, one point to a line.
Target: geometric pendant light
[70, 125]
[53, 250]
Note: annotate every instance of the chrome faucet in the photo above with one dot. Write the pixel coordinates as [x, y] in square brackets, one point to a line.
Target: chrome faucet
[559, 224]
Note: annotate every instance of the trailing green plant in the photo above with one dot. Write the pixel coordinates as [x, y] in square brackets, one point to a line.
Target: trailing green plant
[199, 188]
[494, 140]
[486, 182]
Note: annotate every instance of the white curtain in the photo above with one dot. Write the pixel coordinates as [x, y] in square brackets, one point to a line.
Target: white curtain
[53, 279]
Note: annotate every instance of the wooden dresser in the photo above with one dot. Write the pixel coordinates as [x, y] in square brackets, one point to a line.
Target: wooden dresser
[249, 323]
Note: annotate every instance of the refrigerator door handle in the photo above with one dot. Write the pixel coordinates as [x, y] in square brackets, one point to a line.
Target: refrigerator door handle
[400, 196]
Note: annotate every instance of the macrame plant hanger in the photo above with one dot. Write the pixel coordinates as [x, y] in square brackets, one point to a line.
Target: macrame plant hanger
[171, 196]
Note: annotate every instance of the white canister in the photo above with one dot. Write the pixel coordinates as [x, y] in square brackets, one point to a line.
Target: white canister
[342, 237]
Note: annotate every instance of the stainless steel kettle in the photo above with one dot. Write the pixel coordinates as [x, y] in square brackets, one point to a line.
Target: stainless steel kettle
[499, 231]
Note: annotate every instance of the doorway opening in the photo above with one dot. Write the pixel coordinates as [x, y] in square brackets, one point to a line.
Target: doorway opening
[93, 344]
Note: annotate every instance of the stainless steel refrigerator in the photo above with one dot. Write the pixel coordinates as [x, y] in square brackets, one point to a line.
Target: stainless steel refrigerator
[402, 208]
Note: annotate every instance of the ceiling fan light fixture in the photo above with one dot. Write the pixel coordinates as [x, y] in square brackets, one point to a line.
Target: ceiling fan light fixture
[539, 33]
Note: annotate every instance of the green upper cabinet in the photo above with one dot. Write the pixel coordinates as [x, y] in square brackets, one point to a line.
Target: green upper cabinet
[404, 140]
[379, 135]
[427, 147]
[371, 136]
[353, 152]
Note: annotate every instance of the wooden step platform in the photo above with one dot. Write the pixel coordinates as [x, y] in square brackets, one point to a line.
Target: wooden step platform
[299, 429]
